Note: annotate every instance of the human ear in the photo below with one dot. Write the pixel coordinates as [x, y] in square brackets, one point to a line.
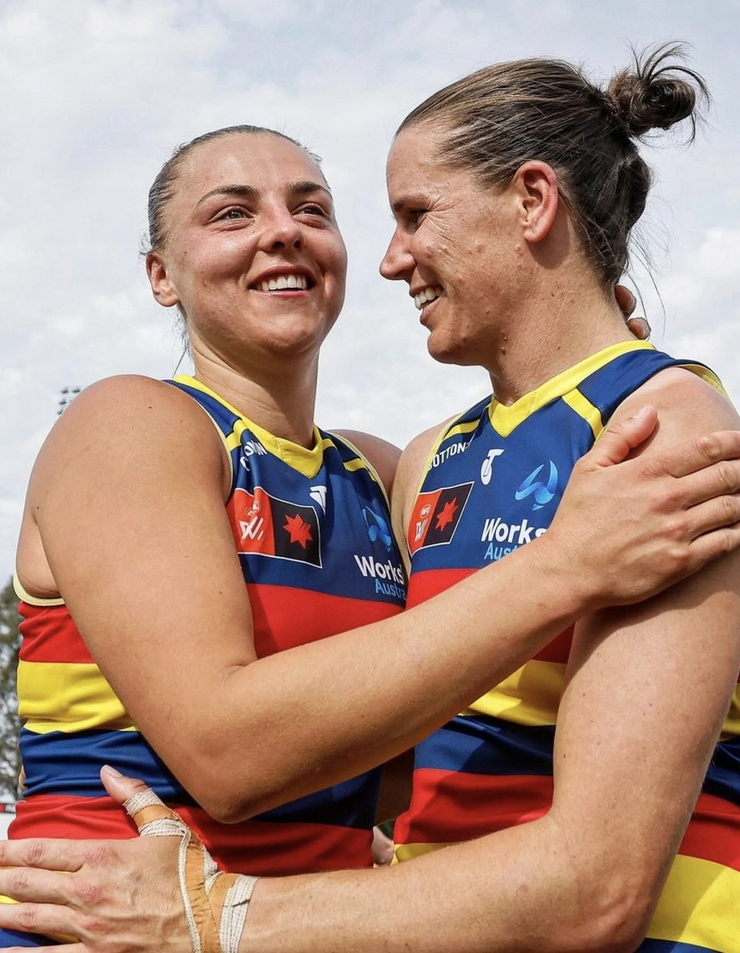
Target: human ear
[163, 289]
[537, 188]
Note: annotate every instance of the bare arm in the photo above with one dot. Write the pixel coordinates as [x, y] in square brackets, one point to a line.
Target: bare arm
[649, 687]
[521, 889]
[135, 549]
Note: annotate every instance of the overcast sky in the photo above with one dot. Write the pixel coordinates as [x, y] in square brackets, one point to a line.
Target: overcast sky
[96, 94]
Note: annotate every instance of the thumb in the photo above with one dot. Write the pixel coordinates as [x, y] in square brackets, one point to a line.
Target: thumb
[120, 787]
[619, 439]
[146, 810]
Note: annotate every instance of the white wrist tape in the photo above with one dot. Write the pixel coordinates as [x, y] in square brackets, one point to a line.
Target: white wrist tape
[216, 903]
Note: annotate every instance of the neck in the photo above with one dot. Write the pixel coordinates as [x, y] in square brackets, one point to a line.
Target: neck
[281, 400]
[558, 329]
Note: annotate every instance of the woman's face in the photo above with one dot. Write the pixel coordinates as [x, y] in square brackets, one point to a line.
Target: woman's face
[459, 248]
[252, 254]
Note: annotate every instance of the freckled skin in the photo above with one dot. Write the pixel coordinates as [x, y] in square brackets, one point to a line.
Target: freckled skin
[453, 233]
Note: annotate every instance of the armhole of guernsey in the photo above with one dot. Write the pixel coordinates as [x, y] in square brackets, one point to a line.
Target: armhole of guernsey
[30, 600]
[192, 387]
[361, 462]
[707, 375]
[447, 428]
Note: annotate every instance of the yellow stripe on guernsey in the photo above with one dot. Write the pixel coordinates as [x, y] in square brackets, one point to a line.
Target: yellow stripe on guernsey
[710, 894]
[305, 461]
[530, 696]
[83, 699]
[505, 419]
[404, 852]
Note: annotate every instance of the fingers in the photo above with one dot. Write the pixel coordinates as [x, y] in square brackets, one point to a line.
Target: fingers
[639, 327]
[28, 884]
[65, 855]
[120, 787]
[626, 301]
[151, 816]
[704, 455]
[619, 439]
[39, 919]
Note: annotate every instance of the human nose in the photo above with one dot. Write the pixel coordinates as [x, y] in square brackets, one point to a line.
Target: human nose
[281, 230]
[397, 262]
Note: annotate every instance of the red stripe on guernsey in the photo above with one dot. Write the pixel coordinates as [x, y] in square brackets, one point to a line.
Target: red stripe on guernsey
[425, 585]
[50, 635]
[54, 636]
[320, 614]
[263, 848]
[458, 807]
[714, 832]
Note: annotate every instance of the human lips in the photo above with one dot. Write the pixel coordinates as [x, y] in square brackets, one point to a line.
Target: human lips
[426, 295]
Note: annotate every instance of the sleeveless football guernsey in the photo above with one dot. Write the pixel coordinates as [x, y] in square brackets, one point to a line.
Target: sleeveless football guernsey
[311, 529]
[493, 483]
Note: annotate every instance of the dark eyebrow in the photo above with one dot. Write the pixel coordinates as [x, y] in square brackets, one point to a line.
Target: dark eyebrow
[302, 187]
[238, 191]
[400, 204]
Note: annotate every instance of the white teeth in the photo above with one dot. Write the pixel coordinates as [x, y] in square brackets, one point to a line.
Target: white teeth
[283, 282]
[426, 295]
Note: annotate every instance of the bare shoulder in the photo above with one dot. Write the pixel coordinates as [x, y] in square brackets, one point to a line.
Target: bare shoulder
[128, 395]
[687, 405]
[128, 408]
[126, 424]
[382, 454]
[415, 455]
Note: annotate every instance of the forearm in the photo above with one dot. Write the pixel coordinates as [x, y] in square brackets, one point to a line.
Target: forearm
[330, 709]
[514, 891]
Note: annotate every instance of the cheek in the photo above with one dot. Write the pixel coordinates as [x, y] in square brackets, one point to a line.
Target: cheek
[336, 259]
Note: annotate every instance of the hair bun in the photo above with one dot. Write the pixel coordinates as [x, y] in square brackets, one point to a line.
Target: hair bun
[656, 92]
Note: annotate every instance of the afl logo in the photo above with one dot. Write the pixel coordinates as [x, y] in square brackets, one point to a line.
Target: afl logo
[486, 470]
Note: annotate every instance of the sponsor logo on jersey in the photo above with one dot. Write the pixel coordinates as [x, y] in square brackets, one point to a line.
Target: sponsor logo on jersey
[436, 516]
[251, 448]
[543, 492]
[377, 527]
[389, 577]
[267, 526]
[503, 538]
[486, 468]
[443, 455]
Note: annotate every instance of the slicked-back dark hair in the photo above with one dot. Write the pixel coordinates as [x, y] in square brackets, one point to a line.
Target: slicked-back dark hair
[497, 118]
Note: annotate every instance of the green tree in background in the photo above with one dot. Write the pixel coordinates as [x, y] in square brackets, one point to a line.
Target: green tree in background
[10, 639]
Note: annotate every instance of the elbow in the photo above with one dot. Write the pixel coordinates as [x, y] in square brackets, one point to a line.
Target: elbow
[612, 918]
[228, 797]
[223, 793]
[225, 807]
